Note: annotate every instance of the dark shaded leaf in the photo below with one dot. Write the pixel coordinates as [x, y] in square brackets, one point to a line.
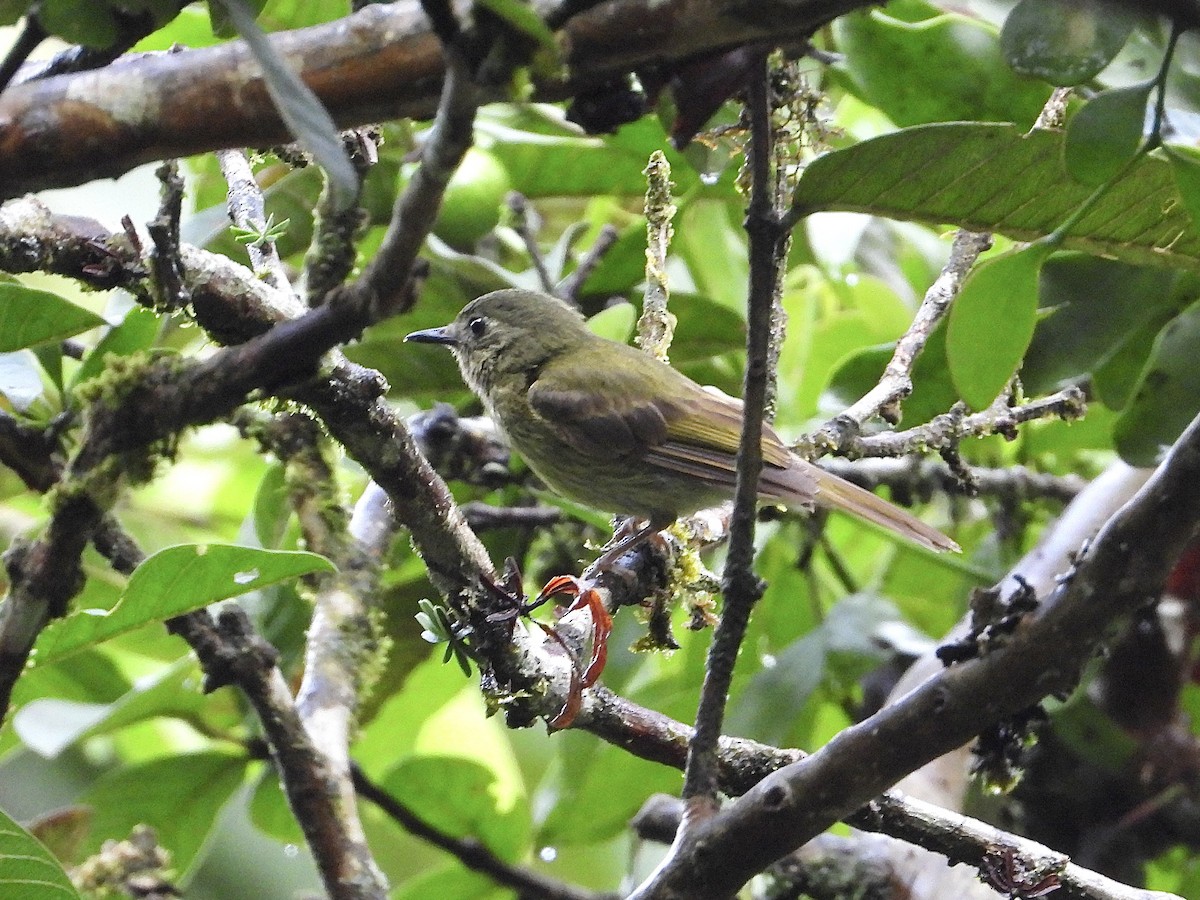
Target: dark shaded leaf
[1104, 135]
[1065, 41]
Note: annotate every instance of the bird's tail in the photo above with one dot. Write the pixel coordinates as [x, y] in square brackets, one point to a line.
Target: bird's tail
[833, 491]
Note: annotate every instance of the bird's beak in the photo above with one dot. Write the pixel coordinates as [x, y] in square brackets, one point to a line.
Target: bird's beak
[444, 335]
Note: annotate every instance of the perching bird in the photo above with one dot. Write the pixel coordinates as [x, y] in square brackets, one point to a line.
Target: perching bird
[611, 427]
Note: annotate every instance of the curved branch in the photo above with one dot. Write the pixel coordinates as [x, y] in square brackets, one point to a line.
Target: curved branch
[1124, 567]
[380, 63]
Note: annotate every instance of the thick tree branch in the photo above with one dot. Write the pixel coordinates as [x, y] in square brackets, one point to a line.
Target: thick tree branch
[1123, 569]
[382, 62]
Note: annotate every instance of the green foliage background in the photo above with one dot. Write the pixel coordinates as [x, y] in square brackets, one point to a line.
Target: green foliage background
[929, 128]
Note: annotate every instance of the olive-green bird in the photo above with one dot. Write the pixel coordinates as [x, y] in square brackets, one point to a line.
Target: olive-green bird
[611, 427]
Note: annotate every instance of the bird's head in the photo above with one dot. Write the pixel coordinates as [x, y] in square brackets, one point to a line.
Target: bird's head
[507, 332]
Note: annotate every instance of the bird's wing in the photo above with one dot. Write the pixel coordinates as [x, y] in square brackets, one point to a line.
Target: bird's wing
[636, 406]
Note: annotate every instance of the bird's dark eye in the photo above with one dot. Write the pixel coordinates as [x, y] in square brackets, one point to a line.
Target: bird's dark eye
[478, 326]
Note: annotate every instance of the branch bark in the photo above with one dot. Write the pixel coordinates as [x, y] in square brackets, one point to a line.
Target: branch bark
[382, 62]
[1123, 568]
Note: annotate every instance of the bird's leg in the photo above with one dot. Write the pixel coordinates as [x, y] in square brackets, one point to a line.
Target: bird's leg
[583, 593]
[622, 545]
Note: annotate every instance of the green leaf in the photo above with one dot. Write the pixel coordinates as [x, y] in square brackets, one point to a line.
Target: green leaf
[11, 10]
[597, 789]
[713, 245]
[1185, 166]
[459, 796]
[29, 317]
[87, 22]
[305, 116]
[27, 869]
[522, 17]
[50, 725]
[938, 68]
[451, 882]
[269, 810]
[1117, 379]
[1090, 306]
[279, 15]
[191, 28]
[1016, 186]
[1104, 135]
[1167, 396]
[189, 790]
[785, 685]
[1092, 735]
[1065, 42]
[558, 162]
[991, 324]
[271, 508]
[172, 582]
[623, 266]
[704, 328]
[614, 322]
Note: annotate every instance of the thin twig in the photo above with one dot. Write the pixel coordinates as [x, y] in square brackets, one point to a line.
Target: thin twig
[526, 224]
[656, 326]
[884, 399]
[28, 39]
[950, 429]
[570, 286]
[472, 852]
[166, 260]
[248, 212]
[741, 586]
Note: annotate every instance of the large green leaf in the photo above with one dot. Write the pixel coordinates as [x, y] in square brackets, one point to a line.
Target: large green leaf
[997, 178]
[29, 317]
[991, 323]
[1117, 378]
[50, 725]
[1104, 135]
[1090, 307]
[1168, 393]
[178, 795]
[172, 582]
[27, 870]
[1185, 164]
[943, 67]
[564, 164]
[452, 882]
[459, 797]
[136, 332]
